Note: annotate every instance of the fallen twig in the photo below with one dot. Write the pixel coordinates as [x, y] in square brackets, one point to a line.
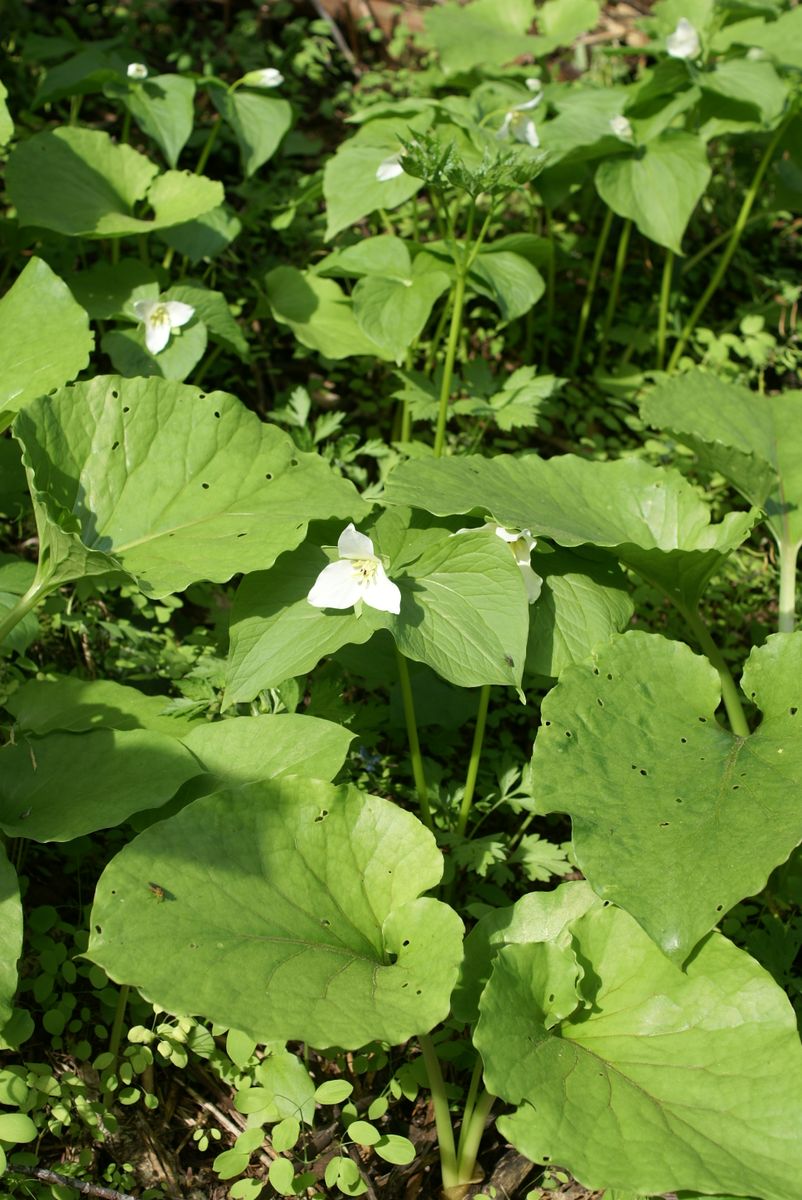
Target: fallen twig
[78, 1185]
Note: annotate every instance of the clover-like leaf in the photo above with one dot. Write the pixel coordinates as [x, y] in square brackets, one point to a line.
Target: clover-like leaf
[659, 1079]
[631, 749]
[291, 910]
[167, 483]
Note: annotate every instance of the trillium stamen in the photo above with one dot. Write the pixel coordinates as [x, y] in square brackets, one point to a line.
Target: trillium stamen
[357, 575]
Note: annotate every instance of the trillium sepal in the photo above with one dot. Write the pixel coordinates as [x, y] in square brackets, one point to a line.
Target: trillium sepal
[521, 544]
[357, 576]
[160, 318]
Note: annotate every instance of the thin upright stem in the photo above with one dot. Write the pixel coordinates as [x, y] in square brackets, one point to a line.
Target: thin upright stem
[473, 763]
[732, 245]
[729, 690]
[551, 286]
[470, 1101]
[208, 146]
[442, 1117]
[662, 314]
[587, 301]
[448, 367]
[615, 288]
[787, 603]
[416, 758]
[471, 1137]
[36, 592]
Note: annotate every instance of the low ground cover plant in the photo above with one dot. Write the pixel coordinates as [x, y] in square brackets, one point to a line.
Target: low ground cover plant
[400, 490]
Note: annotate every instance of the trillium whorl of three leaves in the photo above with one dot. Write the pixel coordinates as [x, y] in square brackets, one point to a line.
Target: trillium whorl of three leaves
[292, 911]
[636, 1074]
[630, 748]
[167, 483]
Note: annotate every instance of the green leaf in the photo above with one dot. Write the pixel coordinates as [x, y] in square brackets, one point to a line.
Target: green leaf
[82, 74]
[658, 186]
[32, 365]
[77, 705]
[212, 308]
[162, 106]
[285, 1134]
[583, 601]
[64, 785]
[709, 811]
[482, 32]
[393, 312]
[244, 749]
[319, 314]
[281, 1174]
[755, 83]
[333, 1091]
[754, 441]
[107, 290]
[509, 280]
[651, 518]
[382, 255]
[172, 484]
[660, 1079]
[16, 576]
[16, 1127]
[364, 1133]
[463, 612]
[10, 937]
[560, 22]
[395, 1149]
[6, 123]
[131, 358]
[782, 39]
[258, 122]
[287, 1080]
[81, 183]
[318, 934]
[14, 494]
[581, 128]
[204, 237]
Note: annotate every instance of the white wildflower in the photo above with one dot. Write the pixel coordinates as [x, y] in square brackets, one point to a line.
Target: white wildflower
[160, 318]
[533, 83]
[266, 77]
[684, 41]
[136, 71]
[622, 129]
[517, 124]
[390, 167]
[357, 575]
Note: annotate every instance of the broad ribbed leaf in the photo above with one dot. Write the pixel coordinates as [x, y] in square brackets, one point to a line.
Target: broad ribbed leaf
[63, 785]
[319, 314]
[171, 484]
[245, 749]
[651, 518]
[44, 337]
[291, 910]
[78, 705]
[162, 106]
[10, 936]
[393, 312]
[631, 749]
[483, 31]
[258, 122]
[658, 1079]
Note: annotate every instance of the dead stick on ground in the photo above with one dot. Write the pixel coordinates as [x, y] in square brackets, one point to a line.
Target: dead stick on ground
[339, 40]
[86, 1189]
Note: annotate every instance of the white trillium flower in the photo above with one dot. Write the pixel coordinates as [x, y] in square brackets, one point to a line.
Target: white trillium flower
[136, 71]
[684, 41]
[357, 575]
[622, 129]
[160, 318]
[521, 544]
[533, 83]
[518, 125]
[267, 77]
[390, 167]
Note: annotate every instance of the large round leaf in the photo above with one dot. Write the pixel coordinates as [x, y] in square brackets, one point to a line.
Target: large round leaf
[674, 818]
[291, 910]
[651, 518]
[172, 484]
[244, 749]
[10, 936]
[77, 705]
[656, 1079]
[58, 787]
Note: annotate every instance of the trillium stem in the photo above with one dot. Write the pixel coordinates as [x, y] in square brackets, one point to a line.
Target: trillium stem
[587, 302]
[415, 755]
[36, 592]
[615, 288]
[208, 146]
[448, 367]
[787, 601]
[473, 762]
[730, 693]
[442, 1117]
[551, 287]
[662, 315]
[732, 244]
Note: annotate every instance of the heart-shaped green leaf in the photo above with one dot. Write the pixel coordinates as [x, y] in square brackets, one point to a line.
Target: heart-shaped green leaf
[169, 483]
[162, 106]
[393, 312]
[631, 749]
[659, 1079]
[10, 936]
[319, 314]
[258, 122]
[291, 910]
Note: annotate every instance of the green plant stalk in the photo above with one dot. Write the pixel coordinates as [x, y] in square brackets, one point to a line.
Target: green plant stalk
[732, 244]
[662, 315]
[415, 755]
[787, 600]
[551, 288]
[36, 592]
[470, 1102]
[587, 301]
[208, 146]
[690, 263]
[473, 762]
[615, 288]
[448, 367]
[729, 690]
[442, 1117]
[471, 1136]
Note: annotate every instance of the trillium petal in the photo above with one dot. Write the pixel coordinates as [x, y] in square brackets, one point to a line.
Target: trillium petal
[352, 544]
[339, 585]
[389, 168]
[144, 308]
[381, 593]
[157, 335]
[178, 312]
[532, 582]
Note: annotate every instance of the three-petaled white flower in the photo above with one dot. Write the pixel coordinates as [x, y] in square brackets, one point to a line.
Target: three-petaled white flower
[265, 77]
[684, 41]
[136, 71]
[390, 167]
[621, 127]
[521, 543]
[357, 575]
[519, 125]
[160, 318]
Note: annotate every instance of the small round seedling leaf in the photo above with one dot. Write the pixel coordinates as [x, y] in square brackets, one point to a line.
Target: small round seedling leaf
[285, 1134]
[333, 1091]
[364, 1133]
[395, 1149]
[281, 1175]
